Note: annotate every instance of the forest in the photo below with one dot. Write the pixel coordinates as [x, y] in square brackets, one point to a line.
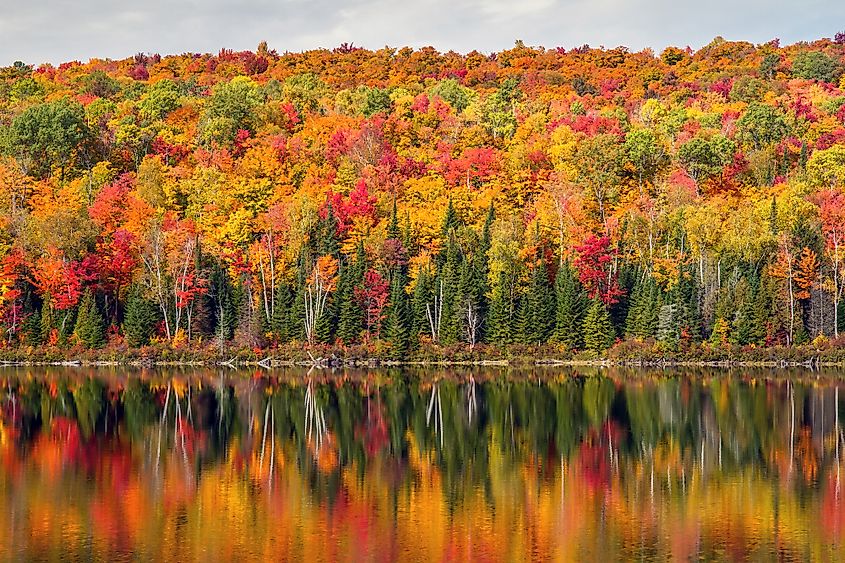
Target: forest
[410, 204]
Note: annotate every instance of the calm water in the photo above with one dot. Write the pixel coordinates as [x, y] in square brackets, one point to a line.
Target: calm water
[488, 465]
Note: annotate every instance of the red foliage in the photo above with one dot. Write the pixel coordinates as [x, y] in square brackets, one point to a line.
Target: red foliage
[109, 208]
[359, 203]
[372, 297]
[595, 269]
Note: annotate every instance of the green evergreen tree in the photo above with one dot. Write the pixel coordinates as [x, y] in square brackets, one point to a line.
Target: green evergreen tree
[89, 329]
[522, 333]
[570, 305]
[46, 318]
[31, 328]
[350, 316]
[296, 315]
[747, 326]
[643, 310]
[397, 326]
[598, 329]
[481, 264]
[327, 242]
[540, 306]
[140, 317]
[502, 311]
[279, 325]
[450, 275]
[423, 296]
[450, 220]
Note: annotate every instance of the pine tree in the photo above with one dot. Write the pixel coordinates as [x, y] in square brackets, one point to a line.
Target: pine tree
[643, 310]
[296, 314]
[327, 233]
[450, 220]
[450, 275]
[397, 325]
[570, 305]
[747, 325]
[540, 306]
[598, 329]
[522, 333]
[279, 320]
[140, 318]
[423, 296]
[688, 299]
[46, 318]
[89, 328]
[350, 316]
[481, 263]
[31, 328]
[501, 318]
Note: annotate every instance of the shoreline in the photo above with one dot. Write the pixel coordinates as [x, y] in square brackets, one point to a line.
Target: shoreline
[374, 363]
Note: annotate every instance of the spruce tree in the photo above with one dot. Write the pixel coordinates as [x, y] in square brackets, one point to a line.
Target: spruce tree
[46, 319]
[598, 329]
[422, 298]
[89, 328]
[450, 220]
[522, 333]
[501, 318]
[643, 310]
[327, 242]
[296, 314]
[397, 325]
[570, 305]
[31, 328]
[279, 325]
[140, 318]
[540, 306]
[481, 264]
[450, 275]
[349, 321]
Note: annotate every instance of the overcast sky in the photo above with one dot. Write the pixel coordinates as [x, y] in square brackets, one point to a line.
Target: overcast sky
[36, 31]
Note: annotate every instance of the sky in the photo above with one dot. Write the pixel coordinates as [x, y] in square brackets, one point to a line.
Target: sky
[55, 31]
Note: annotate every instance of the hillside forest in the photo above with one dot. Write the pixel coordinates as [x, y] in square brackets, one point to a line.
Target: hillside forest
[407, 203]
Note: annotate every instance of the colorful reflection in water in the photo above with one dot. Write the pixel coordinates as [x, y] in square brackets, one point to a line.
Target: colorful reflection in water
[486, 465]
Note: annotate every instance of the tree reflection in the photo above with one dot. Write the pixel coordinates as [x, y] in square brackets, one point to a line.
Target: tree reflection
[621, 447]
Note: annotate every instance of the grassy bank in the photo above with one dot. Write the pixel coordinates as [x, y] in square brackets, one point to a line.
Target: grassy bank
[821, 352]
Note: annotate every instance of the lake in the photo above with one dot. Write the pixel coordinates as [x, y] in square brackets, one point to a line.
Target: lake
[489, 464]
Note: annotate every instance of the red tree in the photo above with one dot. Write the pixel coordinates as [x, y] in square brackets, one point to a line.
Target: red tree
[596, 269]
[372, 297]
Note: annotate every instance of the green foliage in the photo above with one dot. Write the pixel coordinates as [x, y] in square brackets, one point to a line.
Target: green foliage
[47, 135]
[539, 306]
[816, 65]
[598, 329]
[160, 99]
[398, 326]
[761, 125]
[705, 158]
[502, 311]
[230, 108]
[571, 303]
[453, 94]
[140, 317]
[643, 312]
[89, 328]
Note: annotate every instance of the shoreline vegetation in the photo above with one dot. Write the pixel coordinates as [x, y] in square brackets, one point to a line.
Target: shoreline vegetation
[824, 354]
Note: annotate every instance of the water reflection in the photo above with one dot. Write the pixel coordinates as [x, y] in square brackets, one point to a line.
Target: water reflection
[458, 465]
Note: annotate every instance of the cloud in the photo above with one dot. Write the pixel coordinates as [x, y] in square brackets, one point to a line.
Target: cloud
[59, 30]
